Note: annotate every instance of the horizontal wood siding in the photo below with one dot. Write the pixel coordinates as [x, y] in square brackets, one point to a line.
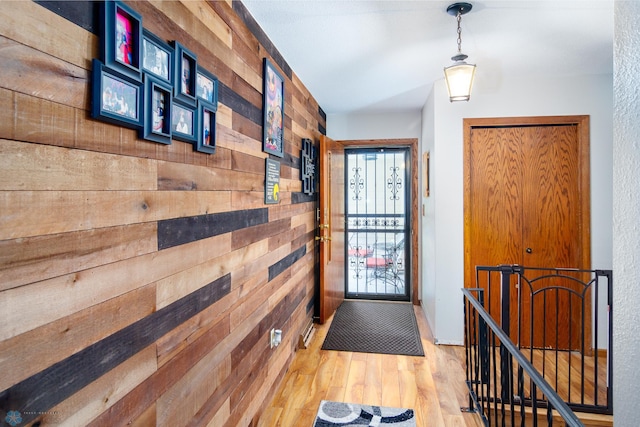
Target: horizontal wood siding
[139, 281]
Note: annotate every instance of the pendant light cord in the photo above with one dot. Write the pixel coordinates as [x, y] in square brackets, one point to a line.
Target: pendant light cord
[459, 19]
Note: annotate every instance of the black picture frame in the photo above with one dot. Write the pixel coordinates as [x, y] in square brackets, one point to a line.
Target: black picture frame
[206, 127]
[116, 98]
[184, 122]
[271, 182]
[157, 57]
[207, 87]
[308, 165]
[157, 110]
[273, 110]
[121, 28]
[185, 66]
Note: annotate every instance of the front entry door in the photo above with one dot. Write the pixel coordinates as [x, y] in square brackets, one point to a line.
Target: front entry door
[330, 233]
[378, 227]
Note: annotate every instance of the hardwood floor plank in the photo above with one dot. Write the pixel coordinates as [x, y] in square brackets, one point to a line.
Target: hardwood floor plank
[408, 389]
[356, 379]
[390, 381]
[372, 393]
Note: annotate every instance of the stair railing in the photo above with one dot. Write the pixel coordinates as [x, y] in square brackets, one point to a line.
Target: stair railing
[493, 393]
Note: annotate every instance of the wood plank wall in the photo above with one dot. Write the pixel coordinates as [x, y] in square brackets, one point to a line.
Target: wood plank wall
[139, 281]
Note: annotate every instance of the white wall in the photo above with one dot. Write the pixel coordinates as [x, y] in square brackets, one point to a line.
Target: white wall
[374, 126]
[428, 291]
[590, 95]
[626, 211]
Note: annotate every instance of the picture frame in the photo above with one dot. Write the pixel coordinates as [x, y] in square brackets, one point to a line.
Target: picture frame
[272, 182]
[157, 57]
[184, 74]
[206, 127]
[273, 110]
[207, 87]
[157, 110]
[184, 122]
[308, 156]
[121, 38]
[425, 168]
[116, 98]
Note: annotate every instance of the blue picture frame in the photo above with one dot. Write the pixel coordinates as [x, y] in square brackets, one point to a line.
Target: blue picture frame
[184, 122]
[207, 87]
[185, 66]
[116, 98]
[121, 28]
[157, 57]
[206, 142]
[157, 110]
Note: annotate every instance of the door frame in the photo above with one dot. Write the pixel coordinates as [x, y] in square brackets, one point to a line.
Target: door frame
[412, 144]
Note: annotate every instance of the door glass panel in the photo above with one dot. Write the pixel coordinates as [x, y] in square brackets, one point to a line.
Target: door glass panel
[376, 219]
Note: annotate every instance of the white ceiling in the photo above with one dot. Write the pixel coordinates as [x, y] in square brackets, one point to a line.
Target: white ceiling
[383, 56]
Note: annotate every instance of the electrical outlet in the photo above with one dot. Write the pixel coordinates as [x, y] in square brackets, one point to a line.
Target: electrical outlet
[275, 337]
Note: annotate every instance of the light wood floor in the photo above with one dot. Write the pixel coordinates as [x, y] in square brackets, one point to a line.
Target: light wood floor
[432, 385]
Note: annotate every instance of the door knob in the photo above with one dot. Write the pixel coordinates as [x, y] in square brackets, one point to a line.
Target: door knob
[529, 250]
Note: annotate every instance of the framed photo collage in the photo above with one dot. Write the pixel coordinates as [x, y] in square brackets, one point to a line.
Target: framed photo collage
[145, 83]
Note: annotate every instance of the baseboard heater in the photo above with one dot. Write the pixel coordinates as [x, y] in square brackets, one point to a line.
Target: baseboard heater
[305, 336]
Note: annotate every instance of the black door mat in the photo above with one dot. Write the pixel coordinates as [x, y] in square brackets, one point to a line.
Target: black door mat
[374, 327]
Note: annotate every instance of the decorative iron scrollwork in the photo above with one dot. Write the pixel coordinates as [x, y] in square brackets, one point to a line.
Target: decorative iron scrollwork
[394, 183]
[356, 184]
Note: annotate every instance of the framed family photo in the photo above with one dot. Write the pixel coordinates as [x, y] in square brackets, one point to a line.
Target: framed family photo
[206, 127]
[121, 38]
[273, 110]
[184, 78]
[157, 110]
[207, 87]
[183, 122]
[116, 98]
[157, 57]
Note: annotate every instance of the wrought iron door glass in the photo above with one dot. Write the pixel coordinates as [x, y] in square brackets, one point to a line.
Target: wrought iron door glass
[376, 223]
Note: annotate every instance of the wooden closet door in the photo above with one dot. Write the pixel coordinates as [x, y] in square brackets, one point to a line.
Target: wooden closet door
[495, 198]
[527, 202]
[551, 231]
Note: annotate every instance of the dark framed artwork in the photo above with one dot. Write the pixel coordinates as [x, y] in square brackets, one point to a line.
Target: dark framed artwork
[207, 87]
[308, 156]
[116, 98]
[272, 182]
[157, 57]
[157, 110]
[273, 110]
[206, 127]
[183, 122]
[184, 74]
[121, 38]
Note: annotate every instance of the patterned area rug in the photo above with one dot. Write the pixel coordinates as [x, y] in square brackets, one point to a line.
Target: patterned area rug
[351, 414]
[374, 327]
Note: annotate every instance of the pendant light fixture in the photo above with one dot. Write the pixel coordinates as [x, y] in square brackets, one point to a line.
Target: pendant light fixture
[459, 76]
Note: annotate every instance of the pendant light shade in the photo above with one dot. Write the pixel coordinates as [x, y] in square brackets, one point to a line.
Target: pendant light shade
[459, 79]
[459, 76]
